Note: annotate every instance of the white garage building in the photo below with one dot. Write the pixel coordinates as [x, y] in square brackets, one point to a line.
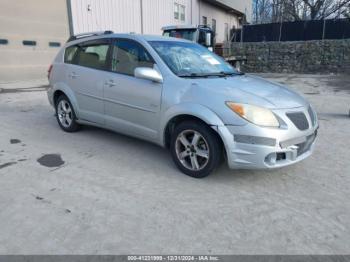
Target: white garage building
[32, 31]
[149, 16]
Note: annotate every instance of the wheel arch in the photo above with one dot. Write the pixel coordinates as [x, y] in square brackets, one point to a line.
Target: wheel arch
[63, 90]
[180, 113]
[56, 95]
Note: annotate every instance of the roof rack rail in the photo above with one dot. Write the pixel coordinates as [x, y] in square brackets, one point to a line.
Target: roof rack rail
[83, 35]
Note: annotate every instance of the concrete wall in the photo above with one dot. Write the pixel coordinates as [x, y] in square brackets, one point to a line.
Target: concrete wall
[42, 21]
[295, 57]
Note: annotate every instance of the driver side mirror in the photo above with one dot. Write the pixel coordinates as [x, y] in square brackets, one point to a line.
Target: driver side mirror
[149, 74]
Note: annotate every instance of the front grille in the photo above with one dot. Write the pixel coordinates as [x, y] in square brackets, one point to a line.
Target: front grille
[305, 146]
[299, 120]
[312, 115]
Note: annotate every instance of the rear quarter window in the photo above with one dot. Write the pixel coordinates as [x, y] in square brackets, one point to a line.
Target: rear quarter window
[70, 54]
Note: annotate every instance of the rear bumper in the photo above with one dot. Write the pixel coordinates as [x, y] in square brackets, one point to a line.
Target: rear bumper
[266, 152]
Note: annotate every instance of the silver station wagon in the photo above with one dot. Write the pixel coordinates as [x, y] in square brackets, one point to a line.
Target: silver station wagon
[181, 96]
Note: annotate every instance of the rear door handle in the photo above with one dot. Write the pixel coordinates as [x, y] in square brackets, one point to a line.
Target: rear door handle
[111, 83]
[73, 75]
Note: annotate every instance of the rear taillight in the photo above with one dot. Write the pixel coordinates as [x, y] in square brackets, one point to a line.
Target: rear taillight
[49, 72]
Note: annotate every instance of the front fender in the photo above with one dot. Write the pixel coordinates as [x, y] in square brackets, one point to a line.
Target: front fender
[196, 110]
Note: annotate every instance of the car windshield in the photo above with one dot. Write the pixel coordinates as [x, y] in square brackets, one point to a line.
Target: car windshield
[192, 60]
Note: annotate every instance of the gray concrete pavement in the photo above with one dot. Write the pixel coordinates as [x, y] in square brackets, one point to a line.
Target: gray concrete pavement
[119, 195]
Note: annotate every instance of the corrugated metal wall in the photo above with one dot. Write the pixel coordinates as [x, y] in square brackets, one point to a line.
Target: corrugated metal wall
[221, 18]
[159, 13]
[96, 15]
[124, 16]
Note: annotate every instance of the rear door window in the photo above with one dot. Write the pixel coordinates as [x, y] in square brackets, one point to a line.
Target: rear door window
[93, 55]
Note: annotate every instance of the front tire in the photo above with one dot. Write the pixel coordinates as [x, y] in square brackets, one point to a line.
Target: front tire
[65, 115]
[195, 149]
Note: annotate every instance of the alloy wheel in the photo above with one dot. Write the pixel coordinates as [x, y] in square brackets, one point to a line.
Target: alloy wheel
[64, 112]
[192, 150]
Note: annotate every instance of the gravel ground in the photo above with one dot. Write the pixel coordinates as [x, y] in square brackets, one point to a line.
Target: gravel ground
[97, 192]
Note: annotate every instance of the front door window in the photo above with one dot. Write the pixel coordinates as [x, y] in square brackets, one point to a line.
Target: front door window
[128, 55]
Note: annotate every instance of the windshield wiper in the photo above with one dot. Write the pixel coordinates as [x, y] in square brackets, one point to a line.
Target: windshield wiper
[231, 73]
[193, 75]
[217, 74]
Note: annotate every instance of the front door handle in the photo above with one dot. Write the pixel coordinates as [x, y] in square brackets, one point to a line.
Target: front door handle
[111, 83]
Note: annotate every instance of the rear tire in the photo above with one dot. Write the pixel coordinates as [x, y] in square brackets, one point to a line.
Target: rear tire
[195, 149]
[65, 115]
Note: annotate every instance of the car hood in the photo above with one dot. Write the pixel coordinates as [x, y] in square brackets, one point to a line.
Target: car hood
[250, 90]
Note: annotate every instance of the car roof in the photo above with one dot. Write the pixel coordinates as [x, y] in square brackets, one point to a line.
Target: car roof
[132, 36]
[160, 38]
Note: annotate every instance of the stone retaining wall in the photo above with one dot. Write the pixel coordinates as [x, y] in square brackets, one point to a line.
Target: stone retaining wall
[326, 56]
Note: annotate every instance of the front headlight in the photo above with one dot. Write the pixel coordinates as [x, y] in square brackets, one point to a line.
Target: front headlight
[254, 114]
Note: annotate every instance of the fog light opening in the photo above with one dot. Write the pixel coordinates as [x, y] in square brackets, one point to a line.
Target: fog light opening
[271, 159]
[281, 156]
